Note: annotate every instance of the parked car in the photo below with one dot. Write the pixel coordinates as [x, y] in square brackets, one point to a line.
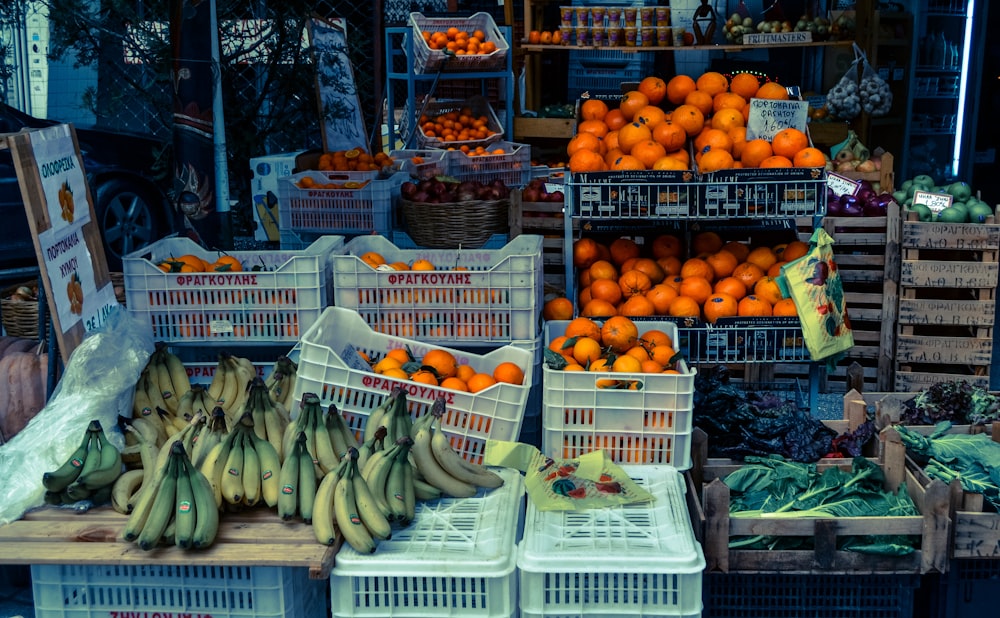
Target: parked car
[130, 205]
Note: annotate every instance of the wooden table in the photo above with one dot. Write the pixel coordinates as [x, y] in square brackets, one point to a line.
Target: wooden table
[252, 538]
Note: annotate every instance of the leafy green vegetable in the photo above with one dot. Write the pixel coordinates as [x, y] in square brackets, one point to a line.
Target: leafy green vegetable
[958, 401]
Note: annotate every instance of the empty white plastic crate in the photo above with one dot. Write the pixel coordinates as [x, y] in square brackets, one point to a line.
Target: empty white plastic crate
[457, 558]
[648, 425]
[274, 304]
[632, 560]
[496, 297]
[107, 591]
[330, 367]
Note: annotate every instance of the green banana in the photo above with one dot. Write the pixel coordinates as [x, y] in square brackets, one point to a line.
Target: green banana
[185, 512]
[143, 504]
[109, 466]
[270, 471]
[375, 444]
[161, 509]
[307, 485]
[251, 469]
[207, 523]
[288, 498]
[380, 414]
[232, 474]
[396, 488]
[60, 478]
[345, 509]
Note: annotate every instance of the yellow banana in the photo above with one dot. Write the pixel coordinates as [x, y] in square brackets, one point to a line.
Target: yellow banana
[159, 370]
[179, 378]
[251, 470]
[270, 470]
[125, 489]
[345, 509]
[324, 526]
[429, 468]
[371, 515]
[161, 510]
[455, 465]
[232, 474]
[379, 415]
[396, 489]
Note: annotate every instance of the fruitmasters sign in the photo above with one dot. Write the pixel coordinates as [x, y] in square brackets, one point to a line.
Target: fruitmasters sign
[67, 242]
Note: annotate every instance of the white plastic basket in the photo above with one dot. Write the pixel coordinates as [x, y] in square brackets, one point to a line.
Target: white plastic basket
[273, 305]
[513, 167]
[457, 558]
[478, 106]
[648, 425]
[219, 591]
[430, 60]
[363, 210]
[430, 163]
[496, 297]
[633, 560]
[330, 367]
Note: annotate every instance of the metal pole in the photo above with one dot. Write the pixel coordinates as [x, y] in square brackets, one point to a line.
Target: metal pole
[219, 141]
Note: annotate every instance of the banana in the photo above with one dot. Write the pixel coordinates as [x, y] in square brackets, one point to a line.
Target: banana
[76, 492]
[323, 522]
[149, 431]
[185, 404]
[158, 369]
[141, 404]
[309, 420]
[328, 452]
[456, 465]
[275, 422]
[202, 403]
[281, 382]
[101, 496]
[428, 467]
[396, 488]
[161, 509]
[345, 510]
[207, 522]
[371, 514]
[288, 478]
[251, 470]
[288, 439]
[211, 434]
[307, 486]
[366, 450]
[185, 512]
[336, 423]
[423, 490]
[232, 474]
[213, 467]
[270, 471]
[60, 478]
[230, 387]
[92, 460]
[217, 385]
[379, 415]
[176, 371]
[410, 489]
[176, 436]
[124, 489]
[153, 388]
[143, 503]
[376, 475]
[245, 373]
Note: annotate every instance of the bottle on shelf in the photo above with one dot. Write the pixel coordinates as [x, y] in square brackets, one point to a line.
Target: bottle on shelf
[939, 50]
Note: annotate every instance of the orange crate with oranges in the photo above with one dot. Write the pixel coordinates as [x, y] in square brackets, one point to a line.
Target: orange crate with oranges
[274, 298]
[476, 114]
[762, 193]
[332, 364]
[632, 194]
[338, 202]
[491, 55]
[647, 422]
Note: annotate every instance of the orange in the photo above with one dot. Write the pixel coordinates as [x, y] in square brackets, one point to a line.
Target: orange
[583, 141]
[627, 162]
[763, 257]
[385, 364]
[400, 354]
[637, 305]
[668, 163]
[697, 267]
[634, 282]
[597, 308]
[558, 345]
[678, 88]
[739, 137]
[586, 350]
[674, 282]
[656, 337]
[748, 273]
[690, 118]
[732, 286]
[442, 362]
[396, 372]
[585, 252]
[631, 102]
[700, 99]
[788, 142]
[720, 305]
[654, 88]
[648, 266]
[455, 384]
[745, 85]
[597, 127]
[424, 376]
[508, 372]
[626, 364]
[772, 90]
[559, 308]
[727, 119]
[613, 155]
[776, 161]
[755, 151]
[740, 250]
[593, 109]
[610, 141]
[670, 135]
[583, 327]
[775, 269]
[706, 242]
[767, 289]
[685, 307]
[723, 263]
[682, 156]
[716, 139]
[785, 307]
[666, 245]
[715, 160]
[619, 333]
[698, 288]
[650, 366]
[586, 161]
[632, 134]
[754, 306]
[661, 295]
[606, 290]
[794, 250]
[480, 381]
[615, 119]
[650, 116]
[649, 152]
[809, 157]
[372, 258]
[728, 100]
[422, 264]
[712, 82]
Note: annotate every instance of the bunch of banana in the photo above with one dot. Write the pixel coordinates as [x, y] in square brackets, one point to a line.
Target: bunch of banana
[327, 437]
[186, 435]
[89, 472]
[389, 475]
[176, 507]
[281, 382]
[355, 509]
[169, 377]
[243, 469]
[269, 418]
[440, 464]
[371, 446]
[297, 481]
[212, 432]
[393, 414]
[229, 386]
[127, 487]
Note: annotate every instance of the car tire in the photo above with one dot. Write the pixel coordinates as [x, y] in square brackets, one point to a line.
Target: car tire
[129, 218]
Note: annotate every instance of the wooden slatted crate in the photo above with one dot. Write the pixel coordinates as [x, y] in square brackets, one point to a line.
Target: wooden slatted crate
[948, 281]
[546, 220]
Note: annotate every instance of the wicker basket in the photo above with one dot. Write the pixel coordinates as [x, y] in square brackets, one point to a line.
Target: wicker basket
[20, 317]
[455, 225]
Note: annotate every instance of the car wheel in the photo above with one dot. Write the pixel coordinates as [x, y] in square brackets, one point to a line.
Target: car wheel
[128, 217]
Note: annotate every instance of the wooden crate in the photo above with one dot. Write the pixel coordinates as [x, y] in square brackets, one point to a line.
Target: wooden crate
[546, 220]
[714, 527]
[948, 280]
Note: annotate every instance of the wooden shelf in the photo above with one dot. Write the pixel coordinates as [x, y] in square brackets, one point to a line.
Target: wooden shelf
[554, 128]
[529, 47]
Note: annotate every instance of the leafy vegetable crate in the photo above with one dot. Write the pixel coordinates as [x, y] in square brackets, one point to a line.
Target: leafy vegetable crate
[717, 527]
[948, 283]
[457, 558]
[368, 208]
[650, 424]
[544, 219]
[637, 559]
[330, 366]
[888, 408]
[273, 305]
[496, 297]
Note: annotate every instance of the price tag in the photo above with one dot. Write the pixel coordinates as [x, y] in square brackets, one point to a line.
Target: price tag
[842, 185]
[551, 187]
[353, 360]
[768, 116]
[935, 201]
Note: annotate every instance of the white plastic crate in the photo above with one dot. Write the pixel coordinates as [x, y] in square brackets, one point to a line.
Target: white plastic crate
[109, 591]
[496, 297]
[273, 305]
[431, 162]
[457, 558]
[478, 106]
[364, 210]
[513, 167]
[648, 425]
[430, 60]
[632, 560]
[329, 367]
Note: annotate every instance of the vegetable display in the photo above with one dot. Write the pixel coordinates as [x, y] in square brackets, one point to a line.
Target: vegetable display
[958, 401]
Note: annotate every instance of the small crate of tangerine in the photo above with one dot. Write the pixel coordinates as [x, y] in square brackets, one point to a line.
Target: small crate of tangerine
[636, 417]
[431, 36]
[466, 296]
[334, 202]
[250, 296]
[508, 162]
[332, 364]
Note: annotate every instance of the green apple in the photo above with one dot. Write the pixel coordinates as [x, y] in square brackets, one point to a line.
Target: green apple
[922, 211]
[952, 214]
[979, 212]
[961, 191]
[900, 196]
[926, 182]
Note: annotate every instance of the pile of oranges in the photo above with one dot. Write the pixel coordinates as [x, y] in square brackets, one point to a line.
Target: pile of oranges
[653, 125]
[724, 279]
[189, 263]
[459, 125]
[441, 368]
[461, 42]
[353, 160]
[307, 182]
[614, 345]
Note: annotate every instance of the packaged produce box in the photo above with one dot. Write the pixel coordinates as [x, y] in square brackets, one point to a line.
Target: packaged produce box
[471, 297]
[274, 299]
[265, 172]
[457, 558]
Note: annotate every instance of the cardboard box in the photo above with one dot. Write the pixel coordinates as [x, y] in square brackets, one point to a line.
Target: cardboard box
[265, 172]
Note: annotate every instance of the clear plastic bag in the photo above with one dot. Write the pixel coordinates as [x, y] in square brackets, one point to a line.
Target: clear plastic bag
[843, 102]
[98, 383]
[876, 96]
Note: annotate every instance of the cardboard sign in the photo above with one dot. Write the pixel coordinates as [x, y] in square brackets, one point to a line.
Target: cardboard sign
[772, 38]
[842, 185]
[768, 116]
[343, 126]
[935, 201]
